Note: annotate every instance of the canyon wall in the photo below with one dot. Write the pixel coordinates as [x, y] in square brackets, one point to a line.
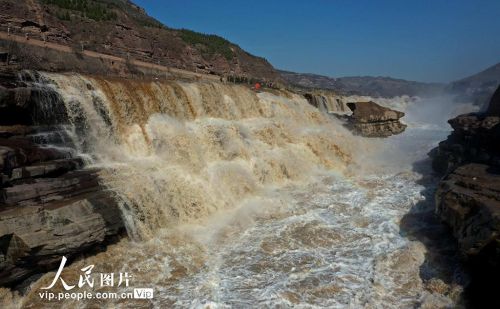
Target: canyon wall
[468, 198]
[50, 204]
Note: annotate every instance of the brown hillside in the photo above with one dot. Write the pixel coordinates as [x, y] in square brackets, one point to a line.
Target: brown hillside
[121, 28]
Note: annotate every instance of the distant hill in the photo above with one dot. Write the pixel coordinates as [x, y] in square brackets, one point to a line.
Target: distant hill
[478, 87]
[121, 28]
[364, 85]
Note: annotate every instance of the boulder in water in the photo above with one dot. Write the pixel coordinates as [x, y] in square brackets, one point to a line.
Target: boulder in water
[372, 120]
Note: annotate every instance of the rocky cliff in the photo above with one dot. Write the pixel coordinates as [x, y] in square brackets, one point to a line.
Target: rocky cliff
[372, 120]
[468, 197]
[50, 204]
[472, 140]
[121, 28]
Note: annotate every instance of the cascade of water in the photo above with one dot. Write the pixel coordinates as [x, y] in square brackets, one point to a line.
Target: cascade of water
[240, 198]
[329, 103]
[177, 152]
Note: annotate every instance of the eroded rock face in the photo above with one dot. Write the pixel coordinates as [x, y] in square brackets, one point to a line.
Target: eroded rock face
[472, 140]
[34, 238]
[50, 204]
[372, 120]
[468, 201]
[468, 198]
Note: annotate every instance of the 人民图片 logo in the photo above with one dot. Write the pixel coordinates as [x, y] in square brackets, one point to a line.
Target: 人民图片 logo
[87, 278]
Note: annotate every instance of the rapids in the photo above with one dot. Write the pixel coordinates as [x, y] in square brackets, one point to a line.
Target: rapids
[244, 200]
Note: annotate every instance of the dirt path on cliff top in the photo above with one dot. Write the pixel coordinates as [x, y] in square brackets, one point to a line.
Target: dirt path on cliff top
[67, 49]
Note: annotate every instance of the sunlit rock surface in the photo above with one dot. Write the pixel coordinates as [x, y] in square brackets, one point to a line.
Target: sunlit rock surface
[372, 120]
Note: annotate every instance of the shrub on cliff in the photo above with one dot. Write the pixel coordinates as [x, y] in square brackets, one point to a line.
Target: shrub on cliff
[88, 8]
[212, 44]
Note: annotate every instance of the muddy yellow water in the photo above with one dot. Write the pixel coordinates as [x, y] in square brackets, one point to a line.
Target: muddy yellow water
[234, 199]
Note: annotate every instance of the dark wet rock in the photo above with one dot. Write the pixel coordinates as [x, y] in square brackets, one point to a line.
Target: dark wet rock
[468, 197]
[372, 120]
[33, 238]
[468, 200]
[19, 130]
[50, 204]
[13, 93]
[24, 103]
[49, 207]
[43, 190]
[472, 140]
[19, 152]
[45, 169]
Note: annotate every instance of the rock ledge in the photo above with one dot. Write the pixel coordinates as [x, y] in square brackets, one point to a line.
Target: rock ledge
[372, 120]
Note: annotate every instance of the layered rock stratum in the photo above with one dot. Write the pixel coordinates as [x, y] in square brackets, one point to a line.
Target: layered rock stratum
[372, 120]
[50, 204]
[468, 197]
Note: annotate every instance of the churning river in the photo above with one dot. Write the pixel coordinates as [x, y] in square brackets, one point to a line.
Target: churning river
[234, 199]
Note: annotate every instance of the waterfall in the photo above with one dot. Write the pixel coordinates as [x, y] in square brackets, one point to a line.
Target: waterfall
[240, 197]
[177, 152]
[328, 103]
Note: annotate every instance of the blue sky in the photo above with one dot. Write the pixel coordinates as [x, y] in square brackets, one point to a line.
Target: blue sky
[424, 40]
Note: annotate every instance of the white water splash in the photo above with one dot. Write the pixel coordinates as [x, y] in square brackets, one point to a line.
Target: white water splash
[247, 201]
